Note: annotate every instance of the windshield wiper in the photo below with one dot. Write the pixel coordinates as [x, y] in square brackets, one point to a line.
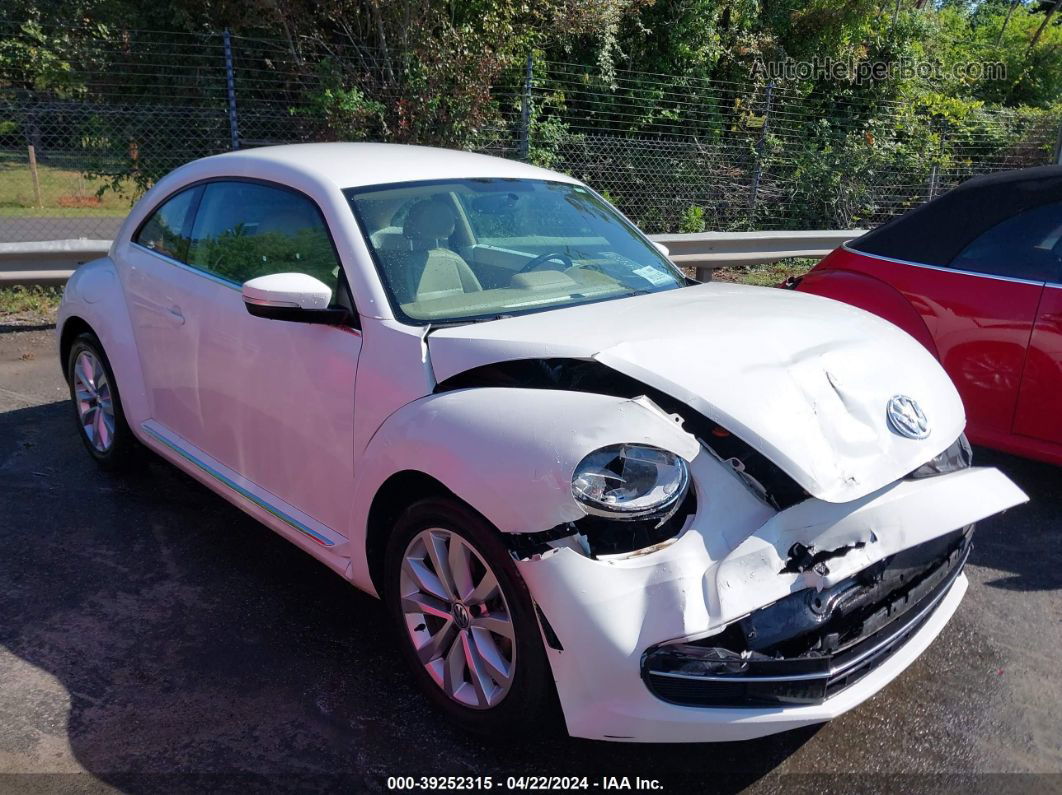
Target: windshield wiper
[432, 325]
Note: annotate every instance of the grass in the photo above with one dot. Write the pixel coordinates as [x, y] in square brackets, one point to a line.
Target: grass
[29, 304]
[766, 275]
[63, 192]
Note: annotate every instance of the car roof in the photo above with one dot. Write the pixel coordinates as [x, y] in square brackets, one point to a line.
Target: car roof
[351, 165]
[938, 231]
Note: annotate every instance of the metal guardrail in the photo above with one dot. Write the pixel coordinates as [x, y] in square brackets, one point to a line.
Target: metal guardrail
[708, 251]
[52, 262]
[46, 262]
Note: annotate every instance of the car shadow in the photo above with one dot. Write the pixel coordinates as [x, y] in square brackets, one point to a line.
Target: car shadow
[1025, 543]
[191, 648]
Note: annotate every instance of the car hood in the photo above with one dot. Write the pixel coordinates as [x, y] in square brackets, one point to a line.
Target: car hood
[804, 380]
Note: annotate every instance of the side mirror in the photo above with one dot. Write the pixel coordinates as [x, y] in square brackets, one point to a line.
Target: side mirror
[295, 297]
[662, 249]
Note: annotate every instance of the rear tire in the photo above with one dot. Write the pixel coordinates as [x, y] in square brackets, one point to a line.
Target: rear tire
[97, 404]
[465, 620]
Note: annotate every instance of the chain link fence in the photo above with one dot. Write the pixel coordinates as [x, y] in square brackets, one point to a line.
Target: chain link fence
[77, 148]
[705, 155]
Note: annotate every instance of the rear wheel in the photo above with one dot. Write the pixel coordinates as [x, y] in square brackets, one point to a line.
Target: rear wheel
[465, 619]
[97, 404]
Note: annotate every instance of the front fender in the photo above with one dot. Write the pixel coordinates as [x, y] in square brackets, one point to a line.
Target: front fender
[94, 295]
[872, 294]
[508, 453]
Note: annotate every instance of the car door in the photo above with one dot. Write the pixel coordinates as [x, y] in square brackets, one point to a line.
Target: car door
[161, 287]
[1039, 411]
[984, 333]
[272, 402]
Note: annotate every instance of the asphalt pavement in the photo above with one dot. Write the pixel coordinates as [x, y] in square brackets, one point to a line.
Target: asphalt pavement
[20, 229]
[153, 637]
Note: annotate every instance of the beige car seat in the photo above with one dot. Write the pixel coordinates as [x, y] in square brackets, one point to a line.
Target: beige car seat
[427, 270]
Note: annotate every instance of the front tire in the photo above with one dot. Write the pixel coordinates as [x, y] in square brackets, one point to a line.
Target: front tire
[97, 405]
[465, 619]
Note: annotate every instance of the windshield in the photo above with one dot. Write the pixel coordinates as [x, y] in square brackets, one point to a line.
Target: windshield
[474, 249]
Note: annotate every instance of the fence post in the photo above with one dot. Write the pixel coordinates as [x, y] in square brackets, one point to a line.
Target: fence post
[36, 177]
[934, 172]
[1058, 146]
[761, 144]
[230, 87]
[525, 111]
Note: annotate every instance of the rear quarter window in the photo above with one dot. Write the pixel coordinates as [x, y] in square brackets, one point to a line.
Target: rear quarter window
[1026, 246]
[168, 229]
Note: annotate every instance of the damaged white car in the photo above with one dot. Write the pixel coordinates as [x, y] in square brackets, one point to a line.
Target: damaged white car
[683, 511]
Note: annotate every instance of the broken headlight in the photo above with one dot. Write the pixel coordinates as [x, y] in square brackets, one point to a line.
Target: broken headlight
[630, 481]
[958, 456]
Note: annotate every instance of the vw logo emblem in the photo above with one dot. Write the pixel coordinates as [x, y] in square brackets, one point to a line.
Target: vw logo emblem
[461, 616]
[906, 418]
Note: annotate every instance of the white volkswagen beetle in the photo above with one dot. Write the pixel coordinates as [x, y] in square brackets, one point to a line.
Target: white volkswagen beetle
[470, 386]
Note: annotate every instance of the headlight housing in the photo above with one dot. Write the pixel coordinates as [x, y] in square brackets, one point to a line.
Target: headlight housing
[958, 456]
[630, 481]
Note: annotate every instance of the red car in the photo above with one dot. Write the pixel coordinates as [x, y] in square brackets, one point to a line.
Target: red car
[976, 277]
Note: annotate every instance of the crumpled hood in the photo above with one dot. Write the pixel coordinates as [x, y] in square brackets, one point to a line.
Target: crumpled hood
[803, 379]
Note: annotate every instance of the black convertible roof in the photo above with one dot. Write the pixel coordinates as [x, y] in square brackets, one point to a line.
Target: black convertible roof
[938, 231]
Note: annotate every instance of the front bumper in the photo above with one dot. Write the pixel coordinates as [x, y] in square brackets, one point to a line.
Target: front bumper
[605, 615]
[643, 721]
[878, 629]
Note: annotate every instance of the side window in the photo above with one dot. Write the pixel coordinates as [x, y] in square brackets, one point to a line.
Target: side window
[1023, 247]
[167, 230]
[243, 230]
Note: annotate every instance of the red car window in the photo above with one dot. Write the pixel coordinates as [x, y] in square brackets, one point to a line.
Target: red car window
[1026, 246]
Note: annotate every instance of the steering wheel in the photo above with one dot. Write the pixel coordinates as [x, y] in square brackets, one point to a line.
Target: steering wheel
[541, 259]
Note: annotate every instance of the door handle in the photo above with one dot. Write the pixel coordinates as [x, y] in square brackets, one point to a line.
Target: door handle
[175, 315]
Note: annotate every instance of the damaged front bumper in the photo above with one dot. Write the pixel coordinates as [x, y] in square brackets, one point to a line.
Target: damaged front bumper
[714, 637]
[812, 644]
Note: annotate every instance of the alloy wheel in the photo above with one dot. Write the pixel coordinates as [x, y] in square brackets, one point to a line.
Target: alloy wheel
[95, 405]
[458, 619]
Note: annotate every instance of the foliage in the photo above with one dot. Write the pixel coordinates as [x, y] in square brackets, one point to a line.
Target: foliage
[692, 219]
[33, 301]
[62, 189]
[547, 131]
[769, 274]
[346, 113]
[674, 84]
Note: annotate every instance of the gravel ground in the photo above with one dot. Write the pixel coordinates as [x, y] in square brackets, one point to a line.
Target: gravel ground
[152, 637]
